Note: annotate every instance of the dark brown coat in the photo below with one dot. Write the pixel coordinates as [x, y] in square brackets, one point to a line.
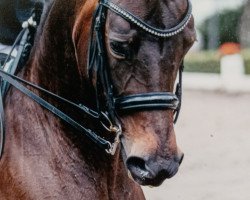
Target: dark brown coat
[45, 158]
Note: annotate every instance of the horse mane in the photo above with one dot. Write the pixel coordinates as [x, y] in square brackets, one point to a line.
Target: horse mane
[79, 30]
[47, 5]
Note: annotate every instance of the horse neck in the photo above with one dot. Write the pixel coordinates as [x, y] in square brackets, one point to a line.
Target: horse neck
[53, 63]
[54, 66]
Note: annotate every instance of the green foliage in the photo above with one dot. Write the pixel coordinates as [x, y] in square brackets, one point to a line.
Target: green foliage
[209, 62]
[246, 56]
[204, 62]
[225, 23]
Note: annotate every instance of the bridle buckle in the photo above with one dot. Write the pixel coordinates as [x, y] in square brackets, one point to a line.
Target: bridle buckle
[116, 129]
[113, 147]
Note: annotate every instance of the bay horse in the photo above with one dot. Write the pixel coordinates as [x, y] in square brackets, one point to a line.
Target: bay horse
[44, 157]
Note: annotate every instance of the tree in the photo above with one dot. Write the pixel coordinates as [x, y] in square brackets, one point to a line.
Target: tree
[221, 27]
[245, 26]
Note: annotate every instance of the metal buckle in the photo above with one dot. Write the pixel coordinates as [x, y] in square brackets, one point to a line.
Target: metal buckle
[112, 129]
[112, 147]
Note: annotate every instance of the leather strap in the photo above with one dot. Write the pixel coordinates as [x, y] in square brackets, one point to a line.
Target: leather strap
[146, 27]
[14, 81]
[2, 124]
[22, 36]
[97, 65]
[21, 40]
[147, 101]
[178, 92]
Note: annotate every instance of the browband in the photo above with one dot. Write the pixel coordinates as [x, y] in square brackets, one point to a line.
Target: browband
[163, 33]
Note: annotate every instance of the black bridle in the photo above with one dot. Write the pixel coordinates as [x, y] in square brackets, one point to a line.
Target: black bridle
[97, 63]
[107, 104]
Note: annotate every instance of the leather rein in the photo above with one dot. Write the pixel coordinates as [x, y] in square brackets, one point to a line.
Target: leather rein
[107, 105]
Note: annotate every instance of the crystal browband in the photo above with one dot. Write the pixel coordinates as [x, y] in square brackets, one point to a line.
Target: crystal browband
[146, 27]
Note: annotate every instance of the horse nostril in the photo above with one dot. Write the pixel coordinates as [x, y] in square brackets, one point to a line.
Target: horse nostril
[135, 163]
[139, 168]
[153, 172]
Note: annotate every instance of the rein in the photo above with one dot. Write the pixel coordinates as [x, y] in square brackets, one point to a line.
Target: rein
[107, 105]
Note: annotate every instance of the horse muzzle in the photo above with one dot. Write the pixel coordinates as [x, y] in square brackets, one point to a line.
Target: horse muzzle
[152, 172]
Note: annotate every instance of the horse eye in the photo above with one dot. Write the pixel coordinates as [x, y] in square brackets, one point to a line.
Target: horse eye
[121, 49]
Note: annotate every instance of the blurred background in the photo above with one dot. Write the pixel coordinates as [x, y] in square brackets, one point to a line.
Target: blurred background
[214, 126]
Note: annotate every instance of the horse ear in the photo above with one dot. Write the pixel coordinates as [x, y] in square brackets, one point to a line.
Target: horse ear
[81, 34]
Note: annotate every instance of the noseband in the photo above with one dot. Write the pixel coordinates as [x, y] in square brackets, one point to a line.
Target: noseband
[107, 104]
[97, 63]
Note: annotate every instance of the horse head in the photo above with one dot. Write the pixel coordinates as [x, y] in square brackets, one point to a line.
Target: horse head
[141, 61]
